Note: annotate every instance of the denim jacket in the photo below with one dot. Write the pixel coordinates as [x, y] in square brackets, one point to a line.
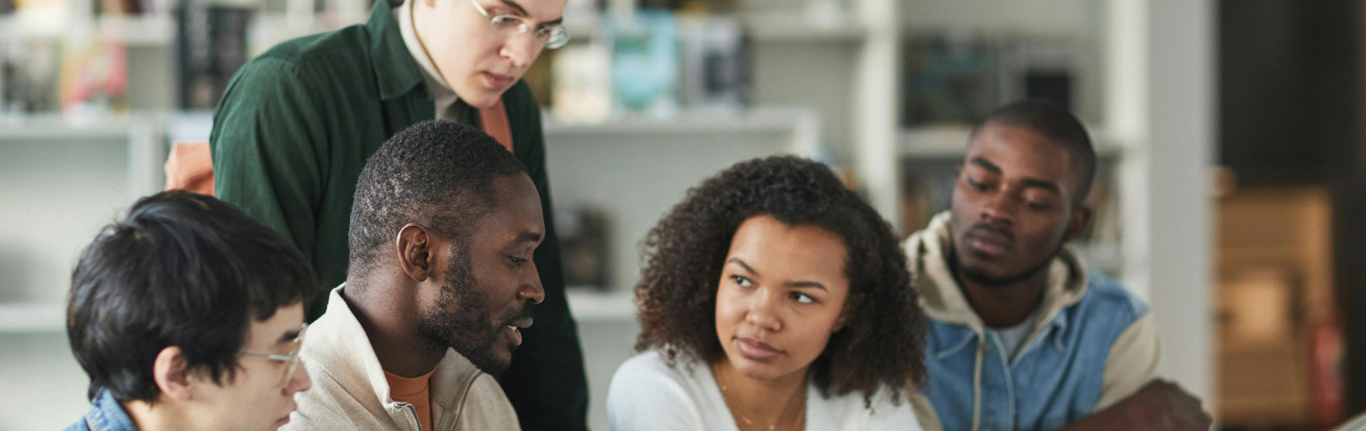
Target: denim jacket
[1093, 344]
[105, 414]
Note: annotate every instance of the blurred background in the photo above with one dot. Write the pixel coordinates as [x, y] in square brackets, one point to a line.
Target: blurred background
[1232, 193]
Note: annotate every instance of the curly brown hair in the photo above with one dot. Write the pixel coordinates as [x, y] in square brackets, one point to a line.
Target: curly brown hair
[883, 340]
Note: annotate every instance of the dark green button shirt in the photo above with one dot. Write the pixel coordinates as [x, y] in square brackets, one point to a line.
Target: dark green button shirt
[290, 139]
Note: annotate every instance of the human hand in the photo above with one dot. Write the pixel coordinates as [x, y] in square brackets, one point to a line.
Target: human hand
[1159, 406]
[1162, 405]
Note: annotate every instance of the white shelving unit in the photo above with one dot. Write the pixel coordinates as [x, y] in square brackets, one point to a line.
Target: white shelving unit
[593, 306]
[800, 123]
[800, 26]
[157, 30]
[950, 142]
[65, 178]
[635, 170]
[36, 318]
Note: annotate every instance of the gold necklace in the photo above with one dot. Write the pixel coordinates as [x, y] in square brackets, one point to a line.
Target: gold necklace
[749, 424]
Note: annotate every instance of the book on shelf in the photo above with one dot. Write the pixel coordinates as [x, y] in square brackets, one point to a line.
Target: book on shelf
[585, 246]
[948, 79]
[212, 46]
[29, 76]
[121, 7]
[651, 62]
[94, 77]
[960, 78]
[582, 90]
[645, 70]
[717, 72]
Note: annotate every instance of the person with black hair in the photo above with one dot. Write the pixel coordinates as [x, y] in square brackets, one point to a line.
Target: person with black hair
[1021, 336]
[441, 283]
[773, 299]
[188, 315]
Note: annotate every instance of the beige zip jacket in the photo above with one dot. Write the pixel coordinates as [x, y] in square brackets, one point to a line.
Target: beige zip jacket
[350, 392]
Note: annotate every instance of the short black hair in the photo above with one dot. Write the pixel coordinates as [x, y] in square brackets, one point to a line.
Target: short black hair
[1058, 125]
[883, 341]
[438, 174]
[180, 270]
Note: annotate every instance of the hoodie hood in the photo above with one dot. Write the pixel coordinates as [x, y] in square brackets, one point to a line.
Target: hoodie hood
[942, 298]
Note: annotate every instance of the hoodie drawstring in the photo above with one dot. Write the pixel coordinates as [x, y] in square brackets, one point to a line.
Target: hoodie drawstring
[977, 385]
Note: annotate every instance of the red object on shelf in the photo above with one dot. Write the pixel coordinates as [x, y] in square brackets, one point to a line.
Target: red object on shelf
[1325, 375]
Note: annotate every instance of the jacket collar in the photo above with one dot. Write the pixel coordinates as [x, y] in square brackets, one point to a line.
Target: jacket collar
[106, 414]
[338, 345]
[943, 300]
[394, 66]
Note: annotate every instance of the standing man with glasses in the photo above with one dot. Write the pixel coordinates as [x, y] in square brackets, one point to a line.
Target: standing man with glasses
[188, 315]
[297, 123]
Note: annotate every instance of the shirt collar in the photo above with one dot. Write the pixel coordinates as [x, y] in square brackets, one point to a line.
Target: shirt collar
[949, 339]
[943, 300]
[106, 414]
[339, 344]
[395, 68]
[407, 28]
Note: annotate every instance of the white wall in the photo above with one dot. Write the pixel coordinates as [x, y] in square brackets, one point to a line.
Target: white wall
[1163, 107]
[1181, 136]
[56, 196]
[57, 190]
[41, 385]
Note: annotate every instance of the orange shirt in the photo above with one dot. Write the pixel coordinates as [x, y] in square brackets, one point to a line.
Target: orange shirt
[413, 391]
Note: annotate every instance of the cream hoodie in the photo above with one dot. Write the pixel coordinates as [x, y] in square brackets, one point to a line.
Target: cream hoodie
[1132, 360]
[350, 392]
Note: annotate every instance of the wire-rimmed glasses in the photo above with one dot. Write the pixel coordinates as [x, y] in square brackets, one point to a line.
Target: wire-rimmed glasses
[553, 35]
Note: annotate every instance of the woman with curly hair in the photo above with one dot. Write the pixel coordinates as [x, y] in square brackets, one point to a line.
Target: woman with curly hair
[773, 299]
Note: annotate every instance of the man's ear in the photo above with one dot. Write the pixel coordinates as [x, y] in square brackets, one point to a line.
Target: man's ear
[172, 375]
[1079, 221]
[416, 252]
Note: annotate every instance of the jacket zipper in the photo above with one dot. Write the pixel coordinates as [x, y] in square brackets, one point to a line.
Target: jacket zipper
[413, 410]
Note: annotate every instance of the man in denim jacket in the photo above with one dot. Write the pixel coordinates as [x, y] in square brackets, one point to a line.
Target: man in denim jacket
[1021, 336]
[188, 315]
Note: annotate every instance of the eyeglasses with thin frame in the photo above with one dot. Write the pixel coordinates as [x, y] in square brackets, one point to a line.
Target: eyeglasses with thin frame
[291, 360]
[553, 36]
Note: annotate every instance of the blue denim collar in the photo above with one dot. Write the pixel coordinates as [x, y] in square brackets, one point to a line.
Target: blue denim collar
[107, 415]
[954, 337]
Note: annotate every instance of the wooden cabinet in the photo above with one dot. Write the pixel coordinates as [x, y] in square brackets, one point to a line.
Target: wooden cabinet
[1274, 255]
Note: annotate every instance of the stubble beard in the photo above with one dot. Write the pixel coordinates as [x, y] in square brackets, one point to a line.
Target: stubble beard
[458, 319]
[980, 277]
